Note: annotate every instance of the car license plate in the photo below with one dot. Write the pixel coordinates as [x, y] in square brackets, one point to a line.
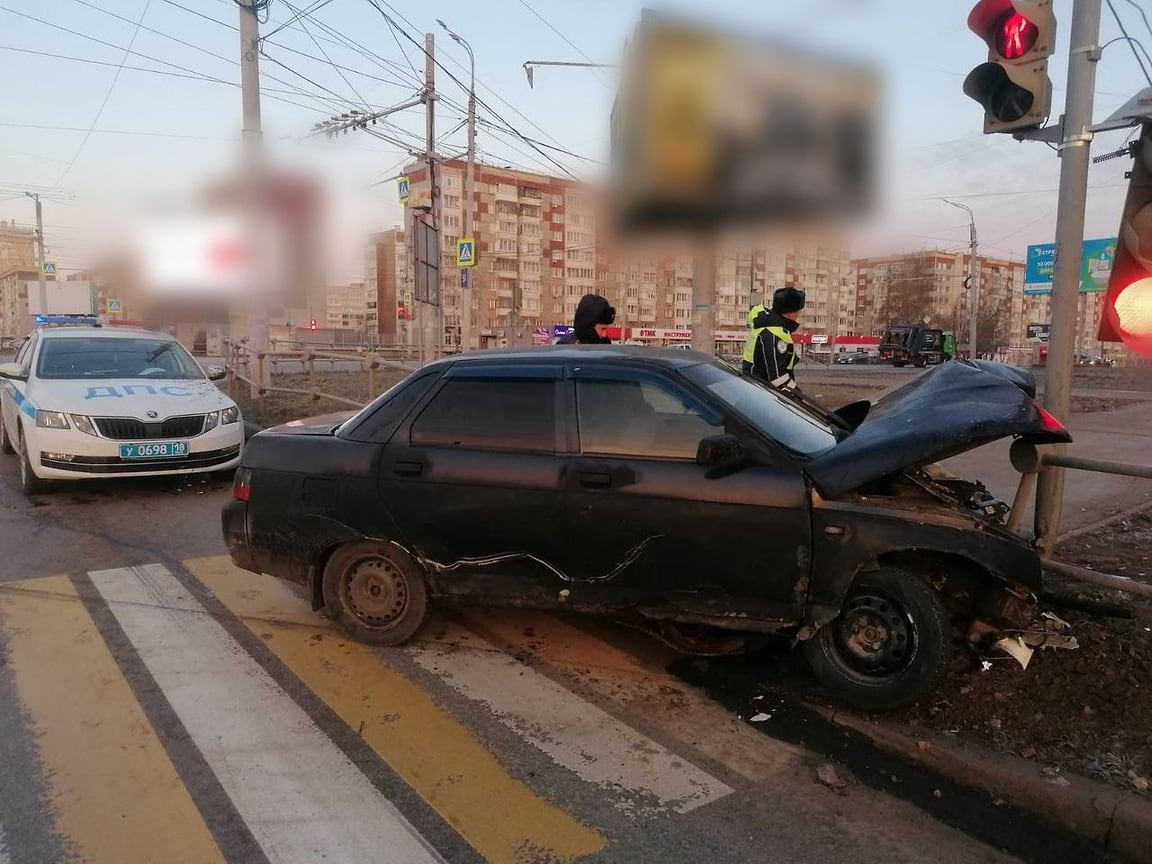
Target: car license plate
[159, 450]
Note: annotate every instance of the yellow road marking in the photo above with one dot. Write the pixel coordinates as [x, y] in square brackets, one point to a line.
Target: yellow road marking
[115, 793]
[647, 690]
[502, 818]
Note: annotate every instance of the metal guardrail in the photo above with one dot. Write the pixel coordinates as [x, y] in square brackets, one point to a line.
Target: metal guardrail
[255, 368]
[1030, 462]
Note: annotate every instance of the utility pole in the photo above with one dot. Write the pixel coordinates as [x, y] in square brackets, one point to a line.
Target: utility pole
[437, 314]
[973, 280]
[469, 193]
[1075, 152]
[40, 251]
[704, 296]
[252, 143]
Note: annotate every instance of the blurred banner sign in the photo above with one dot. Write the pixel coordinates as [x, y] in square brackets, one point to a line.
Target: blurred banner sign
[713, 128]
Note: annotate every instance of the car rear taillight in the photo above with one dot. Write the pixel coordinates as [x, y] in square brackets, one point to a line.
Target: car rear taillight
[1050, 424]
[242, 484]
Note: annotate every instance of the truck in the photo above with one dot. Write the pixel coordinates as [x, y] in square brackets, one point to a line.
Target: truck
[919, 345]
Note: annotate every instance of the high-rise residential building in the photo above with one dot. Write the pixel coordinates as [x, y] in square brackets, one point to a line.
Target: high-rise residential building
[346, 306]
[387, 283]
[930, 285]
[540, 248]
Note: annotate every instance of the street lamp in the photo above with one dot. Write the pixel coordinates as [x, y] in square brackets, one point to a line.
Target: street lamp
[973, 277]
[469, 191]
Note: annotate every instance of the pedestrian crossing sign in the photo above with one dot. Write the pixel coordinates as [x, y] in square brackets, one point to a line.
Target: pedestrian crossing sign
[48, 268]
[466, 252]
[115, 306]
[402, 188]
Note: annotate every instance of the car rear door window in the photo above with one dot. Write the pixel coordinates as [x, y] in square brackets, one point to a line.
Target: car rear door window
[643, 418]
[490, 414]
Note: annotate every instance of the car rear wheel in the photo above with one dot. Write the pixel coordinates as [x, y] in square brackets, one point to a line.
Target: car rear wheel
[375, 592]
[5, 441]
[30, 484]
[889, 645]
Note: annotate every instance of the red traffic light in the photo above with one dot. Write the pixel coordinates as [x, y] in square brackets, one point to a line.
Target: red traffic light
[1015, 35]
[312, 324]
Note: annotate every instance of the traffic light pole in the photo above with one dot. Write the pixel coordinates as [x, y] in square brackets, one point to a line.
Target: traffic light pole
[1075, 154]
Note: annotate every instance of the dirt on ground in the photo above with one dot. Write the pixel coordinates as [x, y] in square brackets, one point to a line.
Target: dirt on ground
[274, 407]
[1087, 710]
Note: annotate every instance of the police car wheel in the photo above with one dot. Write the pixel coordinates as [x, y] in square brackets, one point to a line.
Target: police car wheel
[375, 591]
[30, 484]
[889, 645]
[5, 441]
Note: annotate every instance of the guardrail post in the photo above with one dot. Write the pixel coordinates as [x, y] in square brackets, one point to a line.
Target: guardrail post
[1025, 459]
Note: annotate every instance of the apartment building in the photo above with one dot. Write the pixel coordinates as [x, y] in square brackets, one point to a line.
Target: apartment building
[540, 247]
[17, 247]
[930, 285]
[347, 307]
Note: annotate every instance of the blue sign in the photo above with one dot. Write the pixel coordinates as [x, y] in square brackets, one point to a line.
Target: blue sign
[1095, 266]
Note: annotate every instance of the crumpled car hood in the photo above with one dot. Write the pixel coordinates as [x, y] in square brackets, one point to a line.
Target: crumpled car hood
[952, 408]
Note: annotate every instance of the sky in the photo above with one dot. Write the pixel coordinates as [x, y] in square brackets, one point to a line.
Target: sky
[105, 142]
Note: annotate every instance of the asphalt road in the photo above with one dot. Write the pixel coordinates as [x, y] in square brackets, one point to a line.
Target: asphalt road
[157, 704]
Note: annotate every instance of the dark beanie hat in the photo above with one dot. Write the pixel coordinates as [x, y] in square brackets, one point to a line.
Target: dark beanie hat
[787, 300]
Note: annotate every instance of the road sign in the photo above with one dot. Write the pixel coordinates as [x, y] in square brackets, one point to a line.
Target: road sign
[402, 188]
[1094, 270]
[114, 306]
[465, 252]
[48, 268]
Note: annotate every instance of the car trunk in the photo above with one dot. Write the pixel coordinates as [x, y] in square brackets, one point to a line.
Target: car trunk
[949, 410]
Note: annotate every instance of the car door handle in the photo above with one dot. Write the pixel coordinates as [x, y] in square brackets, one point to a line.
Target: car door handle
[595, 480]
[409, 469]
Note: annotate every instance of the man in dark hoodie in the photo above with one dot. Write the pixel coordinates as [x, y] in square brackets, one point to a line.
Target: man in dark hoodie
[774, 355]
[591, 322]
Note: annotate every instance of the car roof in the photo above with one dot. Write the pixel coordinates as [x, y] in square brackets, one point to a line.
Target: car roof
[668, 357]
[71, 332]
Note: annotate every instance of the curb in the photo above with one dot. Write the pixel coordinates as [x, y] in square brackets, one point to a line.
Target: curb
[1119, 821]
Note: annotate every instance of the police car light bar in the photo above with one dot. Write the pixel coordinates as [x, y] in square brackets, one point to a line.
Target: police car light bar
[67, 320]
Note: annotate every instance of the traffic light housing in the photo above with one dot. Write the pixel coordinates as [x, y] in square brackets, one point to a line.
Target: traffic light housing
[1013, 85]
[312, 324]
[1127, 313]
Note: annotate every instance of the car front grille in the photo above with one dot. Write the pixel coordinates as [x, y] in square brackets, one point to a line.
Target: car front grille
[131, 429]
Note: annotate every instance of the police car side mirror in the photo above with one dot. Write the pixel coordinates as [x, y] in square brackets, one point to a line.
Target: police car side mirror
[721, 451]
[216, 373]
[13, 371]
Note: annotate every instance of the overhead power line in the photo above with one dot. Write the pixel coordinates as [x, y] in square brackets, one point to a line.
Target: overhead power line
[1132, 43]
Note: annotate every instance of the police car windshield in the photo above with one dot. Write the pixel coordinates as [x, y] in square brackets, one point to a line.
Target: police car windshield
[97, 358]
[777, 417]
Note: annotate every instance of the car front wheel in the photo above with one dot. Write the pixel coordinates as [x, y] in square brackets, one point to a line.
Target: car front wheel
[30, 484]
[375, 592]
[889, 645]
[5, 441]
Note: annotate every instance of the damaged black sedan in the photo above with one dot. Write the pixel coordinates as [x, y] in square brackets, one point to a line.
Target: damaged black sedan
[662, 488]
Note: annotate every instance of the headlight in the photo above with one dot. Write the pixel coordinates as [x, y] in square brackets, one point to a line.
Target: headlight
[52, 419]
[83, 423]
[211, 419]
[229, 415]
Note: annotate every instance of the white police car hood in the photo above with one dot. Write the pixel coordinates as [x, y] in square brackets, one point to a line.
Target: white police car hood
[130, 397]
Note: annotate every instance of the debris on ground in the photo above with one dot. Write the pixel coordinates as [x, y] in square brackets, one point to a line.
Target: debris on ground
[830, 777]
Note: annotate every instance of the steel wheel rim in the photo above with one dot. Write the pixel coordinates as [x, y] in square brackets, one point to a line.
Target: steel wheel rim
[875, 636]
[375, 591]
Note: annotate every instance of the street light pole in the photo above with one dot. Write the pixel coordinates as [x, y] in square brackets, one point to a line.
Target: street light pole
[252, 144]
[40, 251]
[469, 193]
[973, 277]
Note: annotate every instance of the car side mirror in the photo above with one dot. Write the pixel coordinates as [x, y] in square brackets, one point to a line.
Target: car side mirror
[721, 451]
[215, 373]
[13, 371]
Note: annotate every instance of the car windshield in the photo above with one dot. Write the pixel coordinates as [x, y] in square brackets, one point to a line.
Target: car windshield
[781, 420]
[120, 357]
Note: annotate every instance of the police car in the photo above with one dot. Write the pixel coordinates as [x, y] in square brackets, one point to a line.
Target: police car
[88, 401]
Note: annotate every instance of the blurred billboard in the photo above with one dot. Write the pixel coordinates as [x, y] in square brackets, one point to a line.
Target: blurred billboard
[713, 128]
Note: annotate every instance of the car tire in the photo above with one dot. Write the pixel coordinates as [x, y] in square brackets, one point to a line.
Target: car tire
[911, 641]
[30, 484]
[375, 591]
[5, 441]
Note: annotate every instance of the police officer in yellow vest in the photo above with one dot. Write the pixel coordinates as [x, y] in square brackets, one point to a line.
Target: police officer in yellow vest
[774, 353]
[757, 321]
